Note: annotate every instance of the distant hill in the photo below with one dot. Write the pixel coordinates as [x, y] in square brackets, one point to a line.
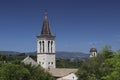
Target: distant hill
[59, 54]
[9, 52]
[69, 55]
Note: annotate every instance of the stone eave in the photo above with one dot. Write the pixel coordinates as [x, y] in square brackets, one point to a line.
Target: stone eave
[46, 36]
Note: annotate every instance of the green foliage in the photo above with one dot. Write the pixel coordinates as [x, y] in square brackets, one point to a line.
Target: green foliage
[38, 73]
[13, 72]
[2, 57]
[88, 70]
[106, 66]
[111, 69]
[17, 71]
[107, 52]
[67, 63]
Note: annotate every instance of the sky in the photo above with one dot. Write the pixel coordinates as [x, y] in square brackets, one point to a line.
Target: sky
[77, 24]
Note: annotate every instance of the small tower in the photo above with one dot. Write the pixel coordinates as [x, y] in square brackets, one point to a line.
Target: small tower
[46, 46]
[93, 52]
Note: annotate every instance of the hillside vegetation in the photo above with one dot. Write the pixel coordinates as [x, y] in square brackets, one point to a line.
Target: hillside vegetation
[19, 71]
[106, 66]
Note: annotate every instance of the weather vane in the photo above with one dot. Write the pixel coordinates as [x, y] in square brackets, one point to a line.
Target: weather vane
[93, 45]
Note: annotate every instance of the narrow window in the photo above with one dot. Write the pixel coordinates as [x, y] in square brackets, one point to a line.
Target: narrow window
[51, 45]
[40, 46]
[48, 45]
[43, 46]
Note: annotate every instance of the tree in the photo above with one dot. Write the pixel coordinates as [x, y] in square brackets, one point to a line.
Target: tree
[107, 52]
[19, 71]
[13, 72]
[89, 70]
[2, 57]
[67, 63]
[111, 69]
[101, 67]
[38, 73]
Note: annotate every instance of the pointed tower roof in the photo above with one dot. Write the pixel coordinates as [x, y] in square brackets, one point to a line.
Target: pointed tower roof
[46, 26]
[45, 32]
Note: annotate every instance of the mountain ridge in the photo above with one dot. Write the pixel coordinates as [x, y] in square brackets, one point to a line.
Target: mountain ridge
[59, 54]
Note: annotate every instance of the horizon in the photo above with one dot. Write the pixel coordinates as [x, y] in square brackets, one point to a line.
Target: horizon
[56, 51]
[77, 24]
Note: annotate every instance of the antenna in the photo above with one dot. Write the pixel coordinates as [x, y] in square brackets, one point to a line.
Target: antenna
[46, 12]
[93, 45]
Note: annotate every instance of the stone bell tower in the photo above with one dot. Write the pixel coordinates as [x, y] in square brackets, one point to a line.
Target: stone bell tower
[46, 46]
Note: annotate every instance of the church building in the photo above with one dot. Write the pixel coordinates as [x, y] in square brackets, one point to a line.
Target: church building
[46, 54]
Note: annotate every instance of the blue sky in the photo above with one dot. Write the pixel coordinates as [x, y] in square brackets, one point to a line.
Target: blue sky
[76, 23]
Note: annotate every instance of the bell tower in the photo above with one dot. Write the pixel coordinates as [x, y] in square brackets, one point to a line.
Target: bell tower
[46, 46]
[93, 52]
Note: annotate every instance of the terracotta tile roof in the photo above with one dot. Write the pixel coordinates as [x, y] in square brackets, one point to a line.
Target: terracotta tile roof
[61, 72]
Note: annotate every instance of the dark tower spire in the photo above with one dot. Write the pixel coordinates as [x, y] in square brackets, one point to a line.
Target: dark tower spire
[46, 26]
